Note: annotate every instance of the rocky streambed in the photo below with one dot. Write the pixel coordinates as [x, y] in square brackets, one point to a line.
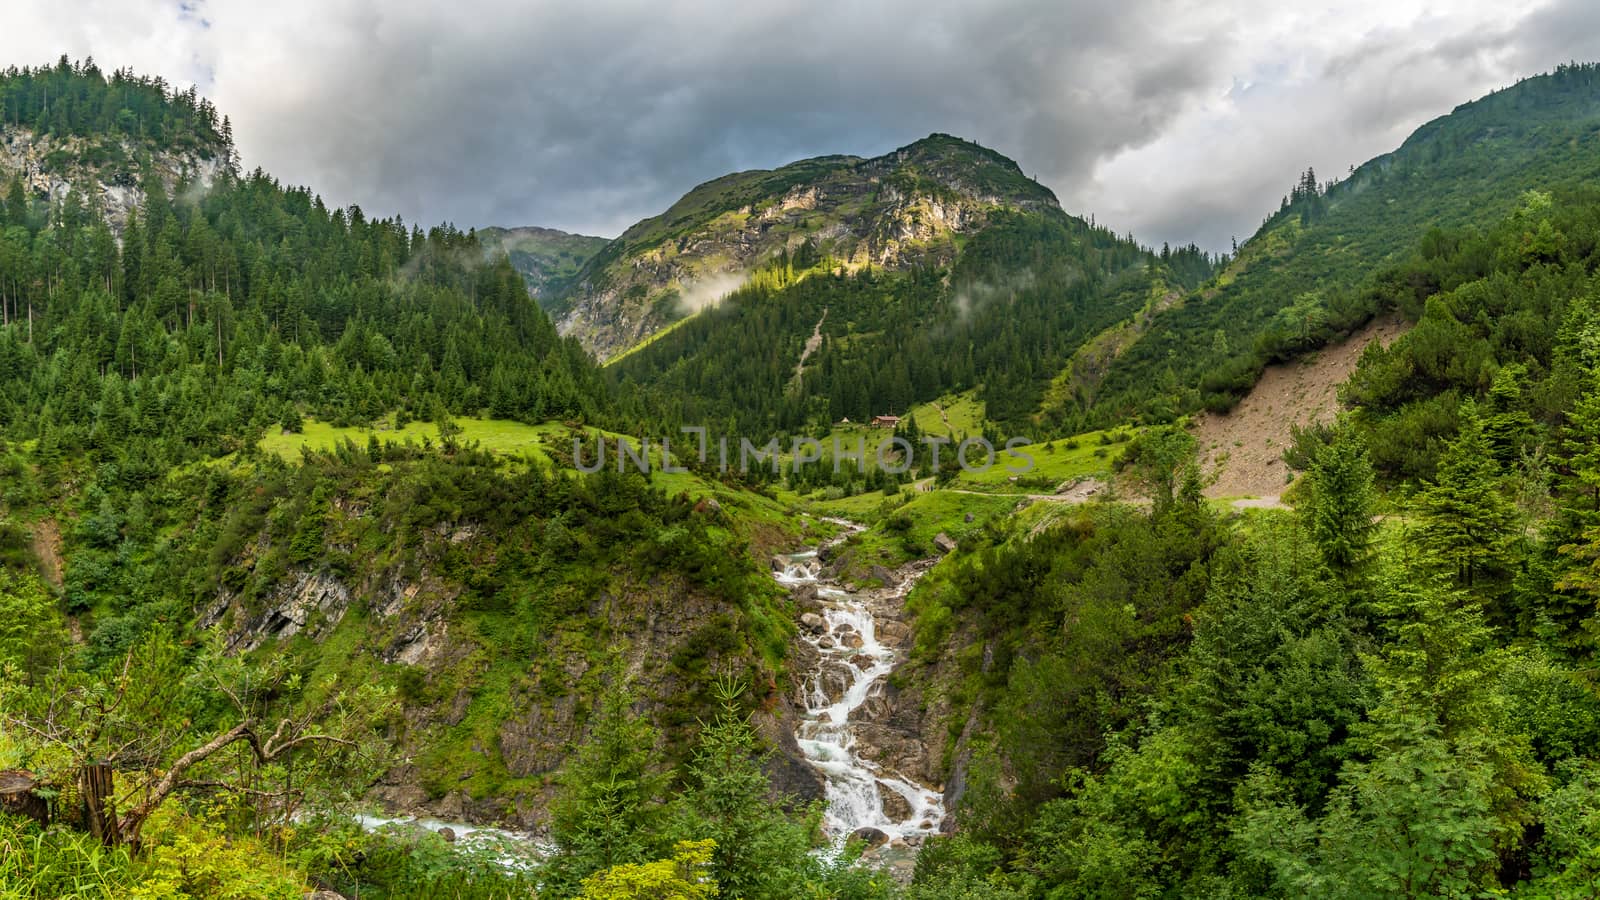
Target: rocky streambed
[853, 728]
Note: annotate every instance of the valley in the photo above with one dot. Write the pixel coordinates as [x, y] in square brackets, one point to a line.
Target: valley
[307, 586]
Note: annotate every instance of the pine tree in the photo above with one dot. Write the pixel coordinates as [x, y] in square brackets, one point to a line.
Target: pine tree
[760, 853]
[608, 811]
[1467, 523]
[1507, 425]
[1581, 444]
[1339, 513]
[1581, 455]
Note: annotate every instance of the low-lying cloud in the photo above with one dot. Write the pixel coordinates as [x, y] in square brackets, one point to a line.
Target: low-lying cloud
[709, 291]
[1177, 120]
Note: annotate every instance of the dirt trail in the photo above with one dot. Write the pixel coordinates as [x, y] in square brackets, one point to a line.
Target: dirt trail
[1082, 490]
[813, 343]
[46, 546]
[1243, 449]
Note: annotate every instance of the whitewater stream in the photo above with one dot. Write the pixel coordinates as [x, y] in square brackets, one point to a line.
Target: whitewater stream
[849, 652]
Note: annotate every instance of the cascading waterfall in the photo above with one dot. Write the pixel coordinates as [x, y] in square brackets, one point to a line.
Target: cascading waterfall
[848, 650]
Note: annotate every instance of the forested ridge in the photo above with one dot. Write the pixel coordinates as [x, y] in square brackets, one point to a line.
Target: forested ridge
[78, 99]
[1305, 277]
[1004, 319]
[242, 304]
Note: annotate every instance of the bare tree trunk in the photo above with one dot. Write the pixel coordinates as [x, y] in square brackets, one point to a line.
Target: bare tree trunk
[100, 813]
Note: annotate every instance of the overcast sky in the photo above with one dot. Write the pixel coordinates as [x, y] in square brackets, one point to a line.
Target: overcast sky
[1178, 121]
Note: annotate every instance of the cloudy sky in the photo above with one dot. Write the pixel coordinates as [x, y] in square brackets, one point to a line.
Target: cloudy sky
[1179, 121]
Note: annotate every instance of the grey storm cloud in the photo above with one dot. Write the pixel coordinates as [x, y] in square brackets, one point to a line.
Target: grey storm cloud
[1177, 121]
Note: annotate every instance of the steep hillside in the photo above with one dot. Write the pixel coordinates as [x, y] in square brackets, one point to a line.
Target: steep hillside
[546, 258]
[860, 288]
[107, 176]
[1241, 451]
[486, 594]
[906, 207]
[801, 350]
[1307, 275]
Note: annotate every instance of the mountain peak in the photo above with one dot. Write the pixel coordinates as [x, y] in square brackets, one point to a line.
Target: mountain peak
[970, 167]
[903, 208]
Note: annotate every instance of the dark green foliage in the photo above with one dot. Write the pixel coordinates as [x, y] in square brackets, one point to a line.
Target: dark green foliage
[761, 852]
[1339, 501]
[610, 810]
[247, 307]
[1465, 520]
[78, 100]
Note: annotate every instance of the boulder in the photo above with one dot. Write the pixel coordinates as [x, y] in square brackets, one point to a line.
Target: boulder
[884, 576]
[872, 837]
[894, 633]
[805, 596]
[708, 505]
[894, 805]
[448, 833]
[968, 518]
[813, 623]
[834, 680]
[944, 542]
[779, 564]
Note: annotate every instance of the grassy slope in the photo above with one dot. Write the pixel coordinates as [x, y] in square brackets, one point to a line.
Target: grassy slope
[1054, 462]
[902, 526]
[763, 520]
[962, 414]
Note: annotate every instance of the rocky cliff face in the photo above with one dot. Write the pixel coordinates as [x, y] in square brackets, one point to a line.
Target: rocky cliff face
[106, 173]
[837, 212]
[488, 720]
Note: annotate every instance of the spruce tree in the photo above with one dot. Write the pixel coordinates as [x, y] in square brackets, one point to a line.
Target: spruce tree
[1467, 523]
[1581, 445]
[1340, 508]
[1507, 425]
[608, 810]
[1581, 455]
[760, 853]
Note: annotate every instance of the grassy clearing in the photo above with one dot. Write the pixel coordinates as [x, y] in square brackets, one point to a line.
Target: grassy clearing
[499, 436]
[1054, 462]
[862, 507]
[962, 415]
[903, 529]
[767, 522]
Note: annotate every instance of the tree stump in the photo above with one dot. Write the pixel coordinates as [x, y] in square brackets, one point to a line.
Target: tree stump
[17, 796]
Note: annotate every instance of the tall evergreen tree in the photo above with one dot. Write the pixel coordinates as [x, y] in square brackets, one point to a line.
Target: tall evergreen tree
[608, 811]
[1466, 522]
[760, 852]
[1339, 511]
